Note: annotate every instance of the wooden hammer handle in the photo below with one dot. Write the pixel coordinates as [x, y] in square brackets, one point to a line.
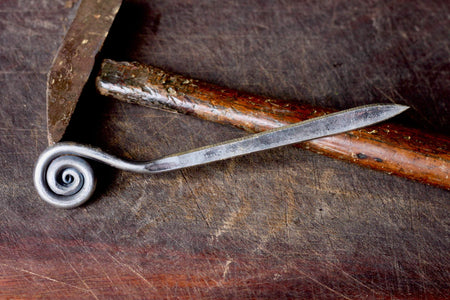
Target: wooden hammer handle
[386, 147]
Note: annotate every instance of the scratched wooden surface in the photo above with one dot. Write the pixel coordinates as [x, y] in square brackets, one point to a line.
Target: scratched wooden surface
[280, 224]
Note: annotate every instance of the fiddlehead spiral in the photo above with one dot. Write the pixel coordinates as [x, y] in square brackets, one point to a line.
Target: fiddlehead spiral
[63, 180]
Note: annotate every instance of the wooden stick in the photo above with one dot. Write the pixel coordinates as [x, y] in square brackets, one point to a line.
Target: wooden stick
[390, 148]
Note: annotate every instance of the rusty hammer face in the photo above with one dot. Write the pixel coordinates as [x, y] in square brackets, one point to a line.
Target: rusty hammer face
[74, 62]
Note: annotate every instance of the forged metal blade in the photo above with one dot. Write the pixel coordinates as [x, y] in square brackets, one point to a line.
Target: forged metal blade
[68, 192]
[73, 64]
[331, 124]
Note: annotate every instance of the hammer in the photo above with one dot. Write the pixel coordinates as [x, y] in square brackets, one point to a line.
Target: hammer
[391, 148]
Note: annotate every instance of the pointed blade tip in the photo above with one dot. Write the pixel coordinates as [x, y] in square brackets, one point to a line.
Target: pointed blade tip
[396, 109]
[401, 107]
[387, 110]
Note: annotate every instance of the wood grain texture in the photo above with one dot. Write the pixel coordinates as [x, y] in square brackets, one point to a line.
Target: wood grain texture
[282, 224]
[325, 53]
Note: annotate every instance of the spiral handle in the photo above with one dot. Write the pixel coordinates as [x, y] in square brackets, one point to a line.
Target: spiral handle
[65, 181]
[63, 177]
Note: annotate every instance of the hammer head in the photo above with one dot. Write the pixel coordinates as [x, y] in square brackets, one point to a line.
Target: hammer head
[74, 62]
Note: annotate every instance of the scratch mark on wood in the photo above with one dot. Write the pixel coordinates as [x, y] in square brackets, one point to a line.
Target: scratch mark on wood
[43, 277]
[321, 284]
[98, 263]
[226, 268]
[233, 218]
[139, 275]
[331, 264]
[83, 281]
[88, 288]
[195, 197]
[227, 224]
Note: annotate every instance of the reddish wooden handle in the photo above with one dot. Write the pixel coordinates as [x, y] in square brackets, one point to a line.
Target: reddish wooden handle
[387, 147]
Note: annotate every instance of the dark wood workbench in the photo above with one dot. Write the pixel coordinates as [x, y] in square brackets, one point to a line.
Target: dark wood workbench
[285, 223]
